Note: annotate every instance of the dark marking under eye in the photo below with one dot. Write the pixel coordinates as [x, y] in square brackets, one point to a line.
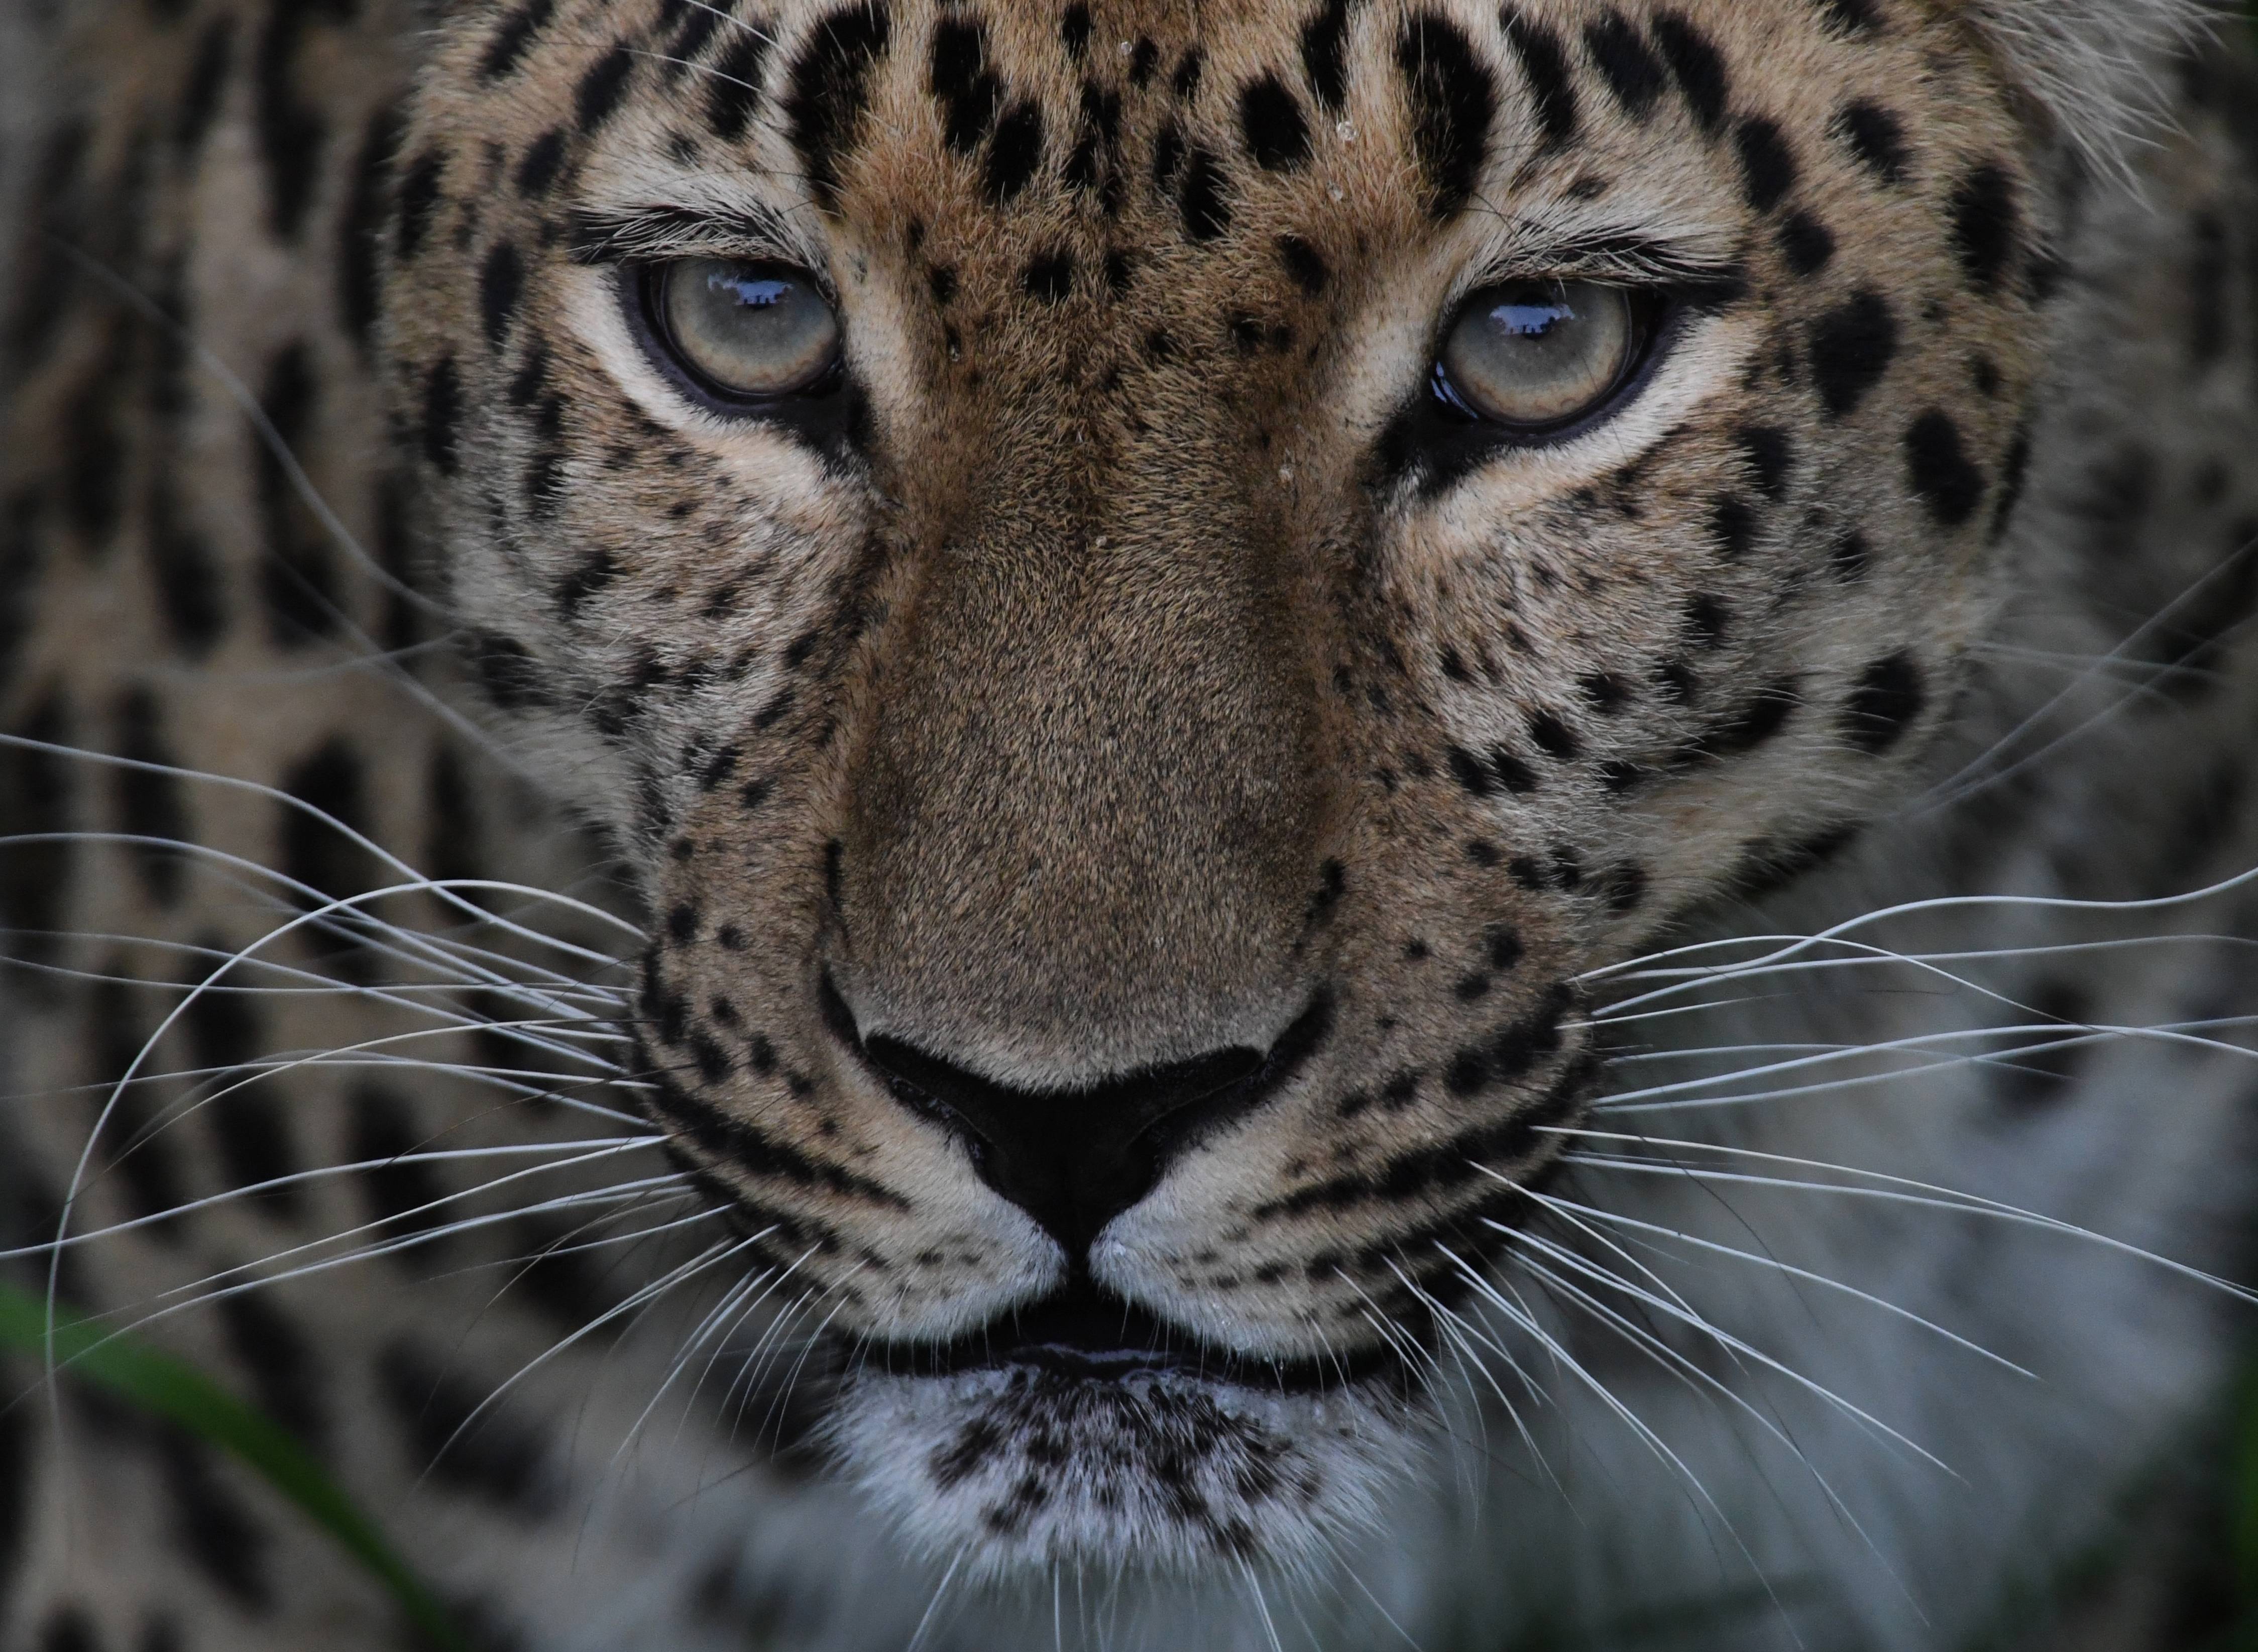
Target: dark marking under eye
[831, 87]
[1851, 347]
[1885, 704]
[1770, 453]
[1806, 243]
[1698, 67]
[1270, 119]
[1546, 67]
[1453, 99]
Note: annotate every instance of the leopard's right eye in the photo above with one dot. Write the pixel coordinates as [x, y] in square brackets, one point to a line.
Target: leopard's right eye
[742, 331]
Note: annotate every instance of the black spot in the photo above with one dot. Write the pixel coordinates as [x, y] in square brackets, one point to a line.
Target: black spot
[1986, 228]
[1605, 692]
[397, 1189]
[1276, 132]
[1625, 62]
[830, 87]
[506, 670]
[1453, 99]
[1807, 244]
[1766, 713]
[1706, 618]
[1852, 18]
[1168, 156]
[1938, 465]
[1768, 169]
[1512, 772]
[1186, 83]
[1770, 454]
[191, 590]
[2013, 480]
[512, 37]
[1544, 64]
[1699, 68]
[1144, 58]
[1886, 703]
[501, 283]
[330, 797]
[206, 82]
[212, 1527]
[970, 95]
[414, 202]
[68, 1629]
[150, 803]
[1325, 60]
[1553, 737]
[1623, 888]
[1048, 277]
[597, 98]
[443, 395]
[940, 280]
[1120, 271]
[1204, 201]
[733, 90]
[483, 1453]
[1015, 154]
[285, 1374]
[1304, 265]
[594, 576]
[1852, 556]
[1074, 31]
[360, 230]
[1851, 348]
[1733, 525]
[298, 577]
[1877, 138]
[292, 133]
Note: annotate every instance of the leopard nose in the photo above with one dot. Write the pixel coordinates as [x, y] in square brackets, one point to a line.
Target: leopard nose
[1075, 1158]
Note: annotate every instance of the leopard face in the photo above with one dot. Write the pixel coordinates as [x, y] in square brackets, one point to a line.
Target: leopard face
[1133, 765]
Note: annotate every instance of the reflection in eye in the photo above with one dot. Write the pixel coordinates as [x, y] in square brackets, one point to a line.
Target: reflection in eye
[744, 330]
[1536, 355]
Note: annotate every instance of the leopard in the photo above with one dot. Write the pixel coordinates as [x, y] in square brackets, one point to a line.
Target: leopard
[856, 824]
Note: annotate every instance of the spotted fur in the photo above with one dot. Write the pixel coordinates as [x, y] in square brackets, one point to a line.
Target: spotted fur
[431, 717]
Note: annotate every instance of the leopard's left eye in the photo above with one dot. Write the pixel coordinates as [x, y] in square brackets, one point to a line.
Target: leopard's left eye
[743, 330]
[1536, 357]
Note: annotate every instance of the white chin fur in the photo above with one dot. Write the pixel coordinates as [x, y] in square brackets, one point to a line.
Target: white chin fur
[1000, 1472]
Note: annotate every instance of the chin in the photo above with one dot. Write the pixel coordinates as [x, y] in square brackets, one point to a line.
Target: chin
[1084, 1432]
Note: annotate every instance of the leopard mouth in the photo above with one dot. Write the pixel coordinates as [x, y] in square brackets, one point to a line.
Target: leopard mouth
[1085, 1333]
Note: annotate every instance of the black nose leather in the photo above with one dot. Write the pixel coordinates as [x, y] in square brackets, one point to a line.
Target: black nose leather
[1075, 1159]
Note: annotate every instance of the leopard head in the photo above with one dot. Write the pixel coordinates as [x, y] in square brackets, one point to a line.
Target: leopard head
[1148, 597]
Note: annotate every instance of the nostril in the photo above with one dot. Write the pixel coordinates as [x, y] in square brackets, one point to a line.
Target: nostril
[1075, 1158]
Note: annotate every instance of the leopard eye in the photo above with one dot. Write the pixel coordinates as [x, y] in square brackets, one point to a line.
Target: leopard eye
[1536, 356]
[743, 330]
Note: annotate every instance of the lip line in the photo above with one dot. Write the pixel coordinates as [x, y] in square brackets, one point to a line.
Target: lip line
[1068, 1334]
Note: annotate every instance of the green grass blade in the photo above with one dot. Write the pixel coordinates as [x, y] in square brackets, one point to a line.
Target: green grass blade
[166, 1387]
